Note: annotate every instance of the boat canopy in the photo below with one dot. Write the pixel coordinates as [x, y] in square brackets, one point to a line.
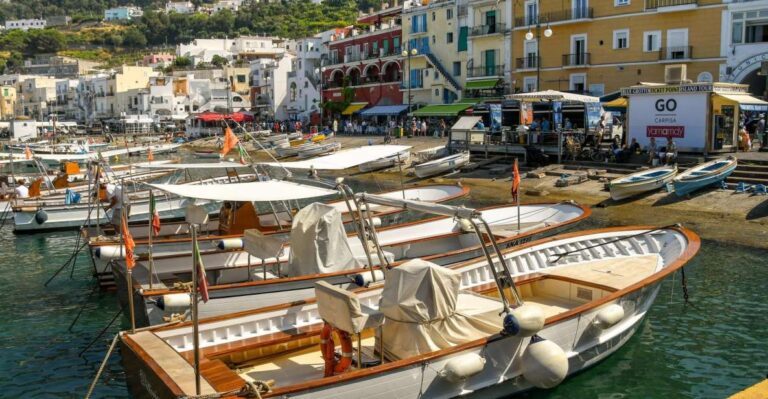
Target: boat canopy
[466, 123]
[344, 159]
[201, 165]
[420, 206]
[553, 95]
[262, 191]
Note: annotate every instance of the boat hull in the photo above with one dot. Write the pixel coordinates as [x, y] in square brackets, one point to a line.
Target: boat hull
[685, 186]
[439, 166]
[624, 190]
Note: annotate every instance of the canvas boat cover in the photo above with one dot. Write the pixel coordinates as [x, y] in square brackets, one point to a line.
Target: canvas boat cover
[262, 191]
[420, 302]
[319, 243]
[344, 159]
[201, 165]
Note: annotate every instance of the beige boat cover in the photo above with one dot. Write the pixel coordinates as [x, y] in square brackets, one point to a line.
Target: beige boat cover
[420, 301]
[319, 243]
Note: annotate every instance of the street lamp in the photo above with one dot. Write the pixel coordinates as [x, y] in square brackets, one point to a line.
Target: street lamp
[408, 54]
[530, 36]
[320, 71]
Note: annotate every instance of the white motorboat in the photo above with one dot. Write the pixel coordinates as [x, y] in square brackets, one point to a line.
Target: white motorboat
[429, 331]
[242, 280]
[400, 158]
[442, 165]
[641, 182]
[319, 149]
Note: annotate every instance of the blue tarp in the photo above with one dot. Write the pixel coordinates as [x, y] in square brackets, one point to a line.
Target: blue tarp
[384, 110]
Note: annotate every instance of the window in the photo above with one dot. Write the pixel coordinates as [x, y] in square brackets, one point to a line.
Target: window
[620, 39]
[597, 89]
[437, 92]
[433, 15]
[652, 41]
[449, 13]
[456, 68]
[449, 37]
[578, 82]
[463, 34]
[529, 83]
[419, 23]
[531, 12]
[240, 78]
[433, 39]
[737, 33]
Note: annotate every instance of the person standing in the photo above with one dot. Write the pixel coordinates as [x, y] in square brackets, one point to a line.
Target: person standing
[115, 199]
[652, 150]
[424, 127]
[443, 127]
[21, 191]
[335, 126]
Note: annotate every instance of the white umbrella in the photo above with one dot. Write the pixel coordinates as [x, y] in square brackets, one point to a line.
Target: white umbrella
[553, 95]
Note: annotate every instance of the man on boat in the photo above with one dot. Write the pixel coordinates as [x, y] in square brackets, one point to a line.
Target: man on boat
[115, 198]
[21, 191]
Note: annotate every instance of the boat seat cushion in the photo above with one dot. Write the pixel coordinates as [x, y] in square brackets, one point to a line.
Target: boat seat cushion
[341, 309]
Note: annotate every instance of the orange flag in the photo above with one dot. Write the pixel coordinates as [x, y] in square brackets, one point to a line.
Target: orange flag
[130, 261]
[230, 141]
[515, 182]
[150, 155]
[27, 152]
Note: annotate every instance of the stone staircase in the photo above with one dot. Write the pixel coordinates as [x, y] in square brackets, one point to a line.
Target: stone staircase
[448, 76]
[749, 172]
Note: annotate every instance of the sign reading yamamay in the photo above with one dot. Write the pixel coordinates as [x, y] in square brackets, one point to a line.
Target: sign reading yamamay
[675, 132]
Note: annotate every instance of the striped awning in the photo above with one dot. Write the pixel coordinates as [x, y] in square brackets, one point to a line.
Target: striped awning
[353, 108]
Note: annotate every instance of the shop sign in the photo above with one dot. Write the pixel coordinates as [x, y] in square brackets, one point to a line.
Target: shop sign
[670, 116]
[695, 88]
[675, 132]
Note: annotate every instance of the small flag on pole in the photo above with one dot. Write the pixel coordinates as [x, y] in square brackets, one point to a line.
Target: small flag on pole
[243, 154]
[202, 282]
[515, 182]
[230, 141]
[155, 214]
[150, 156]
[130, 261]
[27, 152]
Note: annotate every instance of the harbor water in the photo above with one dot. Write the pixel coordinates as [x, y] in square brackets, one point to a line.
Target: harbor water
[711, 348]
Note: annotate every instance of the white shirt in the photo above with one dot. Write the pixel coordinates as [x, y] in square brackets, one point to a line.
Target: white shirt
[116, 192]
[21, 191]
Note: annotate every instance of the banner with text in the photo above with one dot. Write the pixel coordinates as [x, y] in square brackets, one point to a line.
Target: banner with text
[682, 117]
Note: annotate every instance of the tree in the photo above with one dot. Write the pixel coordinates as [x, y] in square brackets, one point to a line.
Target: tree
[134, 38]
[182, 62]
[45, 41]
[219, 61]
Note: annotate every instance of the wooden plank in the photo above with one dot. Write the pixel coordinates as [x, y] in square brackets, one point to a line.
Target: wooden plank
[757, 391]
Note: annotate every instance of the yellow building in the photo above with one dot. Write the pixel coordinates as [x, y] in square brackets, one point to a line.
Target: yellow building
[238, 78]
[432, 34]
[602, 46]
[7, 102]
[489, 26]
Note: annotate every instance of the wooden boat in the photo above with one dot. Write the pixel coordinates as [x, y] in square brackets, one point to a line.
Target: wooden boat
[442, 165]
[447, 337]
[223, 237]
[704, 175]
[292, 151]
[388, 162]
[319, 149]
[641, 182]
[240, 280]
[207, 154]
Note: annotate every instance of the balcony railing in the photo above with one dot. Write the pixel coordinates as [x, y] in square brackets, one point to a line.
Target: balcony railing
[676, 53]
[654, 4]
[576, 59]
[462, 11]
[528, 62]
[557, 16]
[482, 30]
[485, 71]
[291, 74]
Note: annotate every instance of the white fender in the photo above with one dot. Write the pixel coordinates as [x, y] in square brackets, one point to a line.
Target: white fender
[465, 226]
[363, 279]
[376, 222]
[461, 368]
[530, 320]
[544, 364]
[230, 243]
[108, 252]
[608, 316]
[176, 303]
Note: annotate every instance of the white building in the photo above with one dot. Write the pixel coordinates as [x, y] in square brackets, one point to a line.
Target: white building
[244, 47]
[232, 5]
[269, 93]
[25, 24]
[23, 130]
[35, 96]
[109, 95]
[304, 78]
[66, 99]
[180, 7]
[744, 45]
[122, 13]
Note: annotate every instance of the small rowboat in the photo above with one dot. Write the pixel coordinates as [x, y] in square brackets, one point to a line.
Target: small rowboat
[319, 149]
[704, 175]
[641, 182]
[207, 154]
[292, 151]
[386, 162]
[442, 165]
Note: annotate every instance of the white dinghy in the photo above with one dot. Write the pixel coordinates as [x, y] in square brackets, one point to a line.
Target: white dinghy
[641, 182]
[442, 165]
[400, 158]
[429, 331]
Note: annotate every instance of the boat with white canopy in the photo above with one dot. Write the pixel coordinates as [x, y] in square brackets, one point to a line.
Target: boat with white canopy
[319, 248]
[549, 309]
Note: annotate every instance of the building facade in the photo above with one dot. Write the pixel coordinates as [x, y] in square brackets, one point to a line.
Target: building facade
[269, 90]
[600, 47]
[180, 7]
[744, 45]
[25, 24]
[122, 13]
[57, 66]
[7, 102]
[367, 62]
[240, 48]
[304, 78]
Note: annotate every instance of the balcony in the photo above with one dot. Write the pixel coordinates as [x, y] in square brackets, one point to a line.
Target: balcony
[485, 71]
[576, 60]
[570, 14]
[675, 53]
[483, 30]
[661, 4]
[291, 74]
[528, 62]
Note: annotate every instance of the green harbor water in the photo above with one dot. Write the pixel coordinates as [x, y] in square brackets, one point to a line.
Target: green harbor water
[710, 349]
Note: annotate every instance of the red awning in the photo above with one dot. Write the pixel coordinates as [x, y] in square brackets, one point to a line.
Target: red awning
[214, 116]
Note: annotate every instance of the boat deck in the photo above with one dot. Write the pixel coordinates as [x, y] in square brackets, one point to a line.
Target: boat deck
[616, 273]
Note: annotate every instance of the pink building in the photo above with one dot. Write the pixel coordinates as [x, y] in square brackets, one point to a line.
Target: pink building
[158, 59]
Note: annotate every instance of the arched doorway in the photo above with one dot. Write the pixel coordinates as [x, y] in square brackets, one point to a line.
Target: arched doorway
[756, 83]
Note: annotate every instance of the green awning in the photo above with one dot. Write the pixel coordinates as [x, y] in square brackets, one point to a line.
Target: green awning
[482, 84]
[441, 110]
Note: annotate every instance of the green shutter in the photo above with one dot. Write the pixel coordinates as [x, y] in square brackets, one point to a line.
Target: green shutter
[463, 35]
[385, 46]
[396, 43]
